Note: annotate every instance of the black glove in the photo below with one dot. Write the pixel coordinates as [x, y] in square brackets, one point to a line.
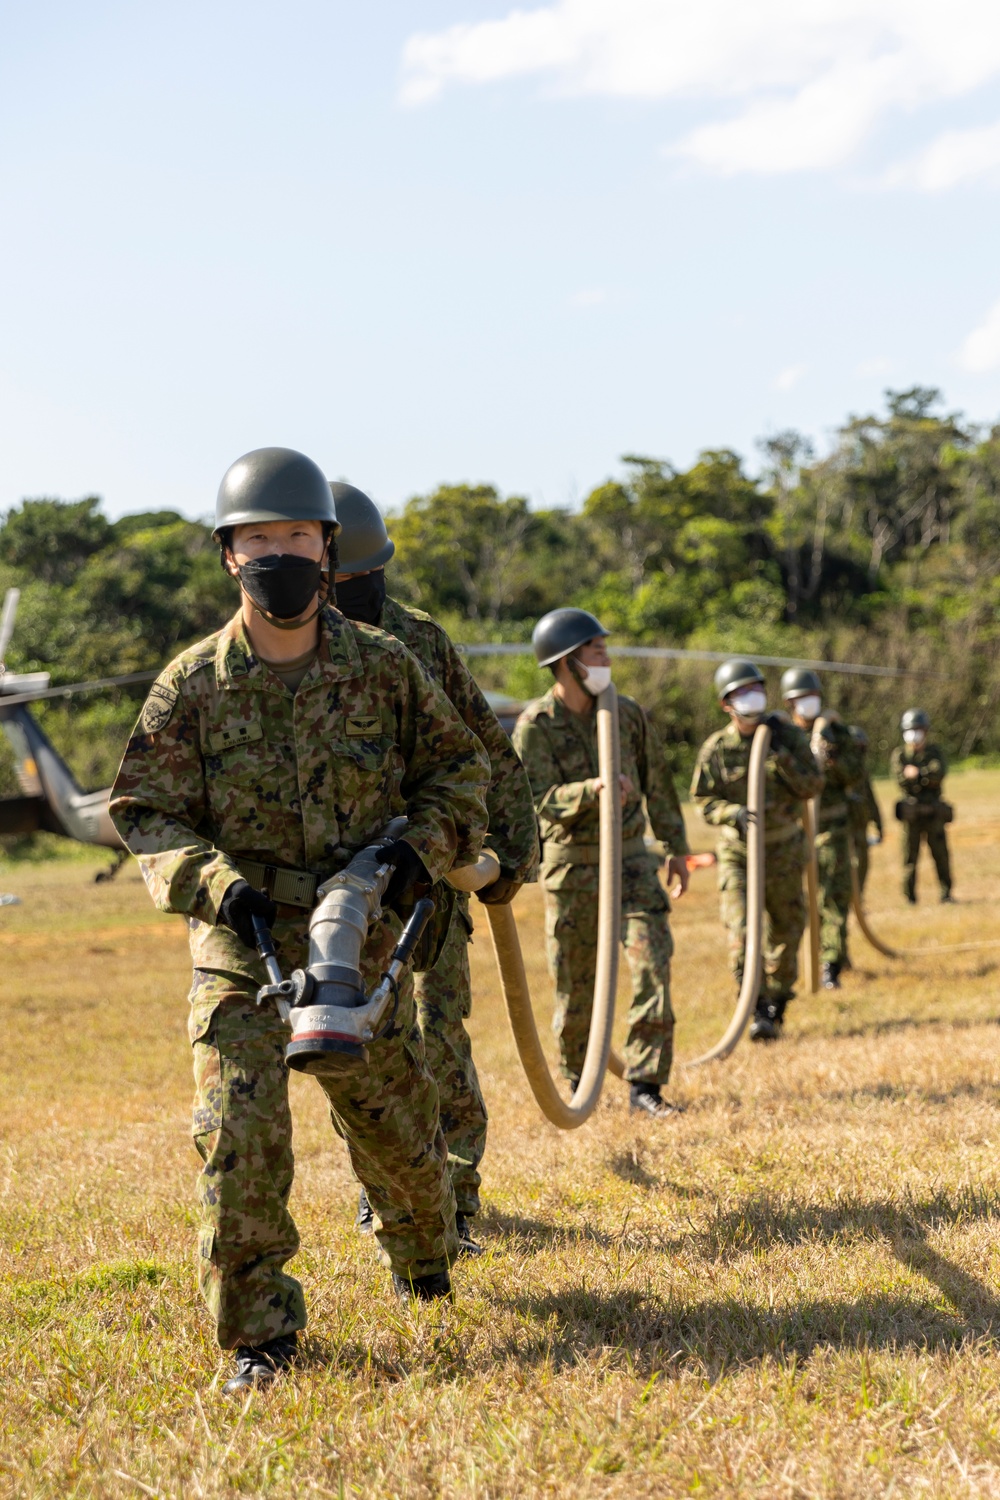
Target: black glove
[501, 892]
[240, 905]
[409, 871]
[777, 725]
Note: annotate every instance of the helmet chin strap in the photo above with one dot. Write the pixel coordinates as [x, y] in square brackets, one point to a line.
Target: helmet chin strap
[576, 671]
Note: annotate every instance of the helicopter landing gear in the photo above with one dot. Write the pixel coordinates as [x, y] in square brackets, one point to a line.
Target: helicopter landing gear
[112, 870]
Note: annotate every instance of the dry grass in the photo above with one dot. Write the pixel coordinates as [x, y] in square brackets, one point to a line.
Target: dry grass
[790, 1291]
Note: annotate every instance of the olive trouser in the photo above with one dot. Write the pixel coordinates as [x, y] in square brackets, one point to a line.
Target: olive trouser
[932, 828]
[859, 848]
[386, 1110]
[444, 1003]
[784, 904]
[571, 942]
[833, 859]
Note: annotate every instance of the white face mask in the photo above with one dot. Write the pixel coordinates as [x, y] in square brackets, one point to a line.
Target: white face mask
[595, 679]
[808, 706]
[749, 703]
[914, 736]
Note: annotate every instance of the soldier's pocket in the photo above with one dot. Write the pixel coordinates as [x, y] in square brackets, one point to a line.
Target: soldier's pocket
[367, 756]
[206, 1119]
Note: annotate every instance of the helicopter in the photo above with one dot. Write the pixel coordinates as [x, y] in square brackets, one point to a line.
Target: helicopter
[51, 801]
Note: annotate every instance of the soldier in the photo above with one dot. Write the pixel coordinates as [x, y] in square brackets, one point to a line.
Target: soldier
[719, 790]
[839, 760]
[266, 757]
[444, 993]
[556, 737]
[863, 811]
[920, 769]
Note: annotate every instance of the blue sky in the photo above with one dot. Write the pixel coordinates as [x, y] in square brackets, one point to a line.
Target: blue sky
[435, 242]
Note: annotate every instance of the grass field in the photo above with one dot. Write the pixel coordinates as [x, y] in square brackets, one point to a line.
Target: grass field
[791, 1291]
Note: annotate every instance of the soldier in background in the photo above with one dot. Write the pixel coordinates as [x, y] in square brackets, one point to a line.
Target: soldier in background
[264, 759]
[443, 993]
[920, 769]
[863, 810]
[556, 738]
[839, 760]
[719, 790]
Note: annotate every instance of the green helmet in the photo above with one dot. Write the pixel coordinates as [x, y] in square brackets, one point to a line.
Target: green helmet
[798, 681]
[562, 631]
[363, 543]
[273, 484]
[735, 674]
[915, 718]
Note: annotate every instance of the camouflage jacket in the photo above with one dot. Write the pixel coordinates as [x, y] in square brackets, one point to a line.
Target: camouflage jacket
[932, 765]
[512, 831]
[559, 751]
[839, 758]
[226, 764]
[719, 784]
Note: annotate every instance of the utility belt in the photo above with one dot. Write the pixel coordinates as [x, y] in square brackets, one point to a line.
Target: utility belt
[588, 854]
[779, 835]
[285, 887]
[909, 810]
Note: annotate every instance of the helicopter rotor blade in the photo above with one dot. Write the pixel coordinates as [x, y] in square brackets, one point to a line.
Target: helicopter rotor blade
[7, 618]
[129, 679]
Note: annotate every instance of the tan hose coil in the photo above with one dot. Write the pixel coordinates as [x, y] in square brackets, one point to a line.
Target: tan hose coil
[753, 961]
[888, 952]
[810, 821]
[862, 920]
[510, 962]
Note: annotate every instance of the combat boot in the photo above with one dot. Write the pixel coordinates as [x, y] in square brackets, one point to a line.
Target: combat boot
[365, 1221]
[422, 1288]
[831, 976]
[466, 1244]
[260, 1364]
[645, 1098]
[946, 895]
[766, 1024]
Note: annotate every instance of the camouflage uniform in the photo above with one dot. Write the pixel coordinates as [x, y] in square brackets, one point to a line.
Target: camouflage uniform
[839, 759]
[226, 765]
[926, 812]
[559, 751]
[444, 993]
[719, 790]
[863, 809]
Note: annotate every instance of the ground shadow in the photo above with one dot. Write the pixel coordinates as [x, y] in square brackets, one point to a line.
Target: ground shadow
[718, 1333]
[536, 1234]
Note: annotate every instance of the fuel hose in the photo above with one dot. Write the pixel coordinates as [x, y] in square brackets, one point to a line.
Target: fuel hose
[510, 962]
[810, 822]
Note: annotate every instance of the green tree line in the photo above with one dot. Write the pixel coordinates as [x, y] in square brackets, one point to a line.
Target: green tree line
[884, 551]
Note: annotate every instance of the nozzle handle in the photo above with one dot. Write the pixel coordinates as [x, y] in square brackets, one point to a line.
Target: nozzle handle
[410, 935]
[265, 949]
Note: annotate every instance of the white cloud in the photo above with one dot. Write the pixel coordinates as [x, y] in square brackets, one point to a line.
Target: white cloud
[810, 80]
[980, 351]
[788, 377]
[955, 158]
[868, 369]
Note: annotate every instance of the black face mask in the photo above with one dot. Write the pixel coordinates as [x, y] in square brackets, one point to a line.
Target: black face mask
[362, 596]
[280, 584]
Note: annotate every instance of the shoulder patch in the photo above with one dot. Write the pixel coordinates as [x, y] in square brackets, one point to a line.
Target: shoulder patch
[159, 706]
